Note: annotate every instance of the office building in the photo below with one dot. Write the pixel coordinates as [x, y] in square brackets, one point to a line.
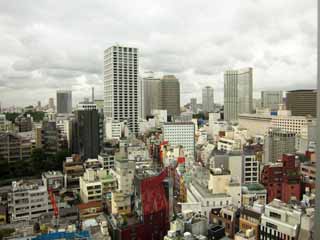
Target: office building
[121, 85]
[64, 101]
[237, 93]
[271, 99]
[207, 99]
[170, 95]
[194, 106]
[87, 130]
[257, 124]
[291, 123]
[152, 94]
[277, 143]
[280, 221]
[302, 102]
[180, 134]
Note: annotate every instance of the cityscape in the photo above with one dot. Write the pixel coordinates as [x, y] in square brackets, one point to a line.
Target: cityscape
[147, 154]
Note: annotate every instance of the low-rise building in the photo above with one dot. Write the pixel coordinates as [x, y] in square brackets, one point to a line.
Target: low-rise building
[73, 169]
[120, 203]
[90, 186]
[280, 220]
[27, 201]
[53, 180]
[253, 192]
[90, 209]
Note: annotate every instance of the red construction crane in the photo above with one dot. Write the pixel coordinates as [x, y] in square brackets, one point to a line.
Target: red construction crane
[54, 205]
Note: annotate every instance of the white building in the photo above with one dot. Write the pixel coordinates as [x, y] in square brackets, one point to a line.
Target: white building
[207, 99]
[27, 201]
[124, 173]
[200, 199]
[251, 168]
[121, 93]
[229, 145]
[180, 134]
[279, 219]
[107, 161]
[237, 93]
[160, 116]
[113, 129]
[257, 124]
[291, 123]
[90, 186]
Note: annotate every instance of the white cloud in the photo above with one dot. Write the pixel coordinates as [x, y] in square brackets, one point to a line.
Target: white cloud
[45, 46]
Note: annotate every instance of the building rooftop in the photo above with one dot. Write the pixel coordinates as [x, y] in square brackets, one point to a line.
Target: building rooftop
[254, 187]
[52, 174]
[205, 193]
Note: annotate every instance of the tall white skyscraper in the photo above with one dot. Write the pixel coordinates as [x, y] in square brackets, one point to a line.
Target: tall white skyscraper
[121, 85]
[237, 93]
[207, 99]
[271, 99]
[64, 101]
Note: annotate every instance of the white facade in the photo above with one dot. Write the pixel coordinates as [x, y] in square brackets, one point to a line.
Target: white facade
[207, 99]
[160, 116]
[121, 93]
[90, 186]
[27, 201]
[124, 173]
[237, 93]
[251, 169]
[291, 123]
[113, 129]
[279, 218]
[180, 134]
[229, 145]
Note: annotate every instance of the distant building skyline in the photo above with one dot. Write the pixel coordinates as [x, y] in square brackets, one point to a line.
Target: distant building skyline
[207, 99]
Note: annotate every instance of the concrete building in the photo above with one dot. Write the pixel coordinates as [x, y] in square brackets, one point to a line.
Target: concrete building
[90, 186]
[124, 173]
[24, 123]
[120, 203]
[180, 134]
[73, 169]
[237, 93]
[51, 104]
[194, 106]
[207, 99]
[27, 201]
[291, 123]
[53, 180]
[152, 94]
[64, 101]
[113, 129]
[277, 143]
[86, 128]
[302, 102]
[251, 165]
[253, 192]
[121, 85]
[280, 221]
[170, 95]
[14, 148]
[271, 99]
[229, 145]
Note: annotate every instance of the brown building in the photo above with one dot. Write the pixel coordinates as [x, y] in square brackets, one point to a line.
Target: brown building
[228, 217]
[302, 102]
[14, 148]
[90, 209]
[250, 220]
[73, 169]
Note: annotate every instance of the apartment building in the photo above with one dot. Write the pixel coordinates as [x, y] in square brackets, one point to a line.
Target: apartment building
[90, 186]
[27, 201]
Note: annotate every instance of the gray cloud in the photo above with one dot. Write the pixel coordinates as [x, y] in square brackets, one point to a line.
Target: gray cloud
[45, 46]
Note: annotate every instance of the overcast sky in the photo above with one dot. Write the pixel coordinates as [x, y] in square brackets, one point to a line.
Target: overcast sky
[50, 45]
